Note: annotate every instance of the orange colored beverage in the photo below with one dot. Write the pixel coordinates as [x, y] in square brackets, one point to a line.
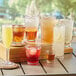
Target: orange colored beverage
[51, 57]
[31, 33]
[47, 28]
[18, 33]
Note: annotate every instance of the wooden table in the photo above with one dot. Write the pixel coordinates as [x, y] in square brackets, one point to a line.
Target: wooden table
[67, 67]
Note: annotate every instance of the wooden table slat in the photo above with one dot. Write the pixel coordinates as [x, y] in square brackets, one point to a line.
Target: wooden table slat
[0, 69]
[0, 73]
[53, 68]
[32, 69]
[74, 48]
[13, 72]
[69, 62]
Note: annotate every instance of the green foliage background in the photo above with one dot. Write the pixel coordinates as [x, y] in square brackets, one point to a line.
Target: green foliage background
[17, 8]
[64, 6]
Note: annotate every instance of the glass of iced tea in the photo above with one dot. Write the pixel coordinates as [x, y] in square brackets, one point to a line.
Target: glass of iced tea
[32, 54]
[18, 33]
[31, 33]
[31, 23]
[47, 28]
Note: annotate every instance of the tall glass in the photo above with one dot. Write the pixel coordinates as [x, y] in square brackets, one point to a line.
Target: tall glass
[7, 37]
[18, 33]
[59, 40]
[68, 31]
[31, 23]
[47, 28]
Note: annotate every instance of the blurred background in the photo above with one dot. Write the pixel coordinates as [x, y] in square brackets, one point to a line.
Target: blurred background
[13, 11]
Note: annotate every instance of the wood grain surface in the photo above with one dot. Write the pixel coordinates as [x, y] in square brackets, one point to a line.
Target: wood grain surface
[53, 67]
[66, 67]
[32, 69]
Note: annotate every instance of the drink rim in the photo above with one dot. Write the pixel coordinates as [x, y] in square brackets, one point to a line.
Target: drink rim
[38, 43]
[64, 20]
[6, 25]
[47, 16]
[31, 45]
[18, 25]
[32, 27]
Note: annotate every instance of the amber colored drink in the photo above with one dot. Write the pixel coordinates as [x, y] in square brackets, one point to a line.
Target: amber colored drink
[31, 33]
[51, 54]
[47, 27]
[51, 57]
[18, 33]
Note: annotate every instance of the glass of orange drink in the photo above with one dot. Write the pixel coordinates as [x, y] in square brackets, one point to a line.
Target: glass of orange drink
[31, 23]
[18, 33]
[47, 29]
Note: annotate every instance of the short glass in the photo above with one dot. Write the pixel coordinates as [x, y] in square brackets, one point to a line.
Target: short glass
[18, 33]
[68, 31]
[50, 54]
[32, 54]
[59, 40]
[47, 27]
[31, 23]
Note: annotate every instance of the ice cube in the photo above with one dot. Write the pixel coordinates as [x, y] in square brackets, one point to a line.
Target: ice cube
[33, 51]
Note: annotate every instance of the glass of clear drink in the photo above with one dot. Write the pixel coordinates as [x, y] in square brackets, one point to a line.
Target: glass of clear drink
[59, 40]
[68, 31]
